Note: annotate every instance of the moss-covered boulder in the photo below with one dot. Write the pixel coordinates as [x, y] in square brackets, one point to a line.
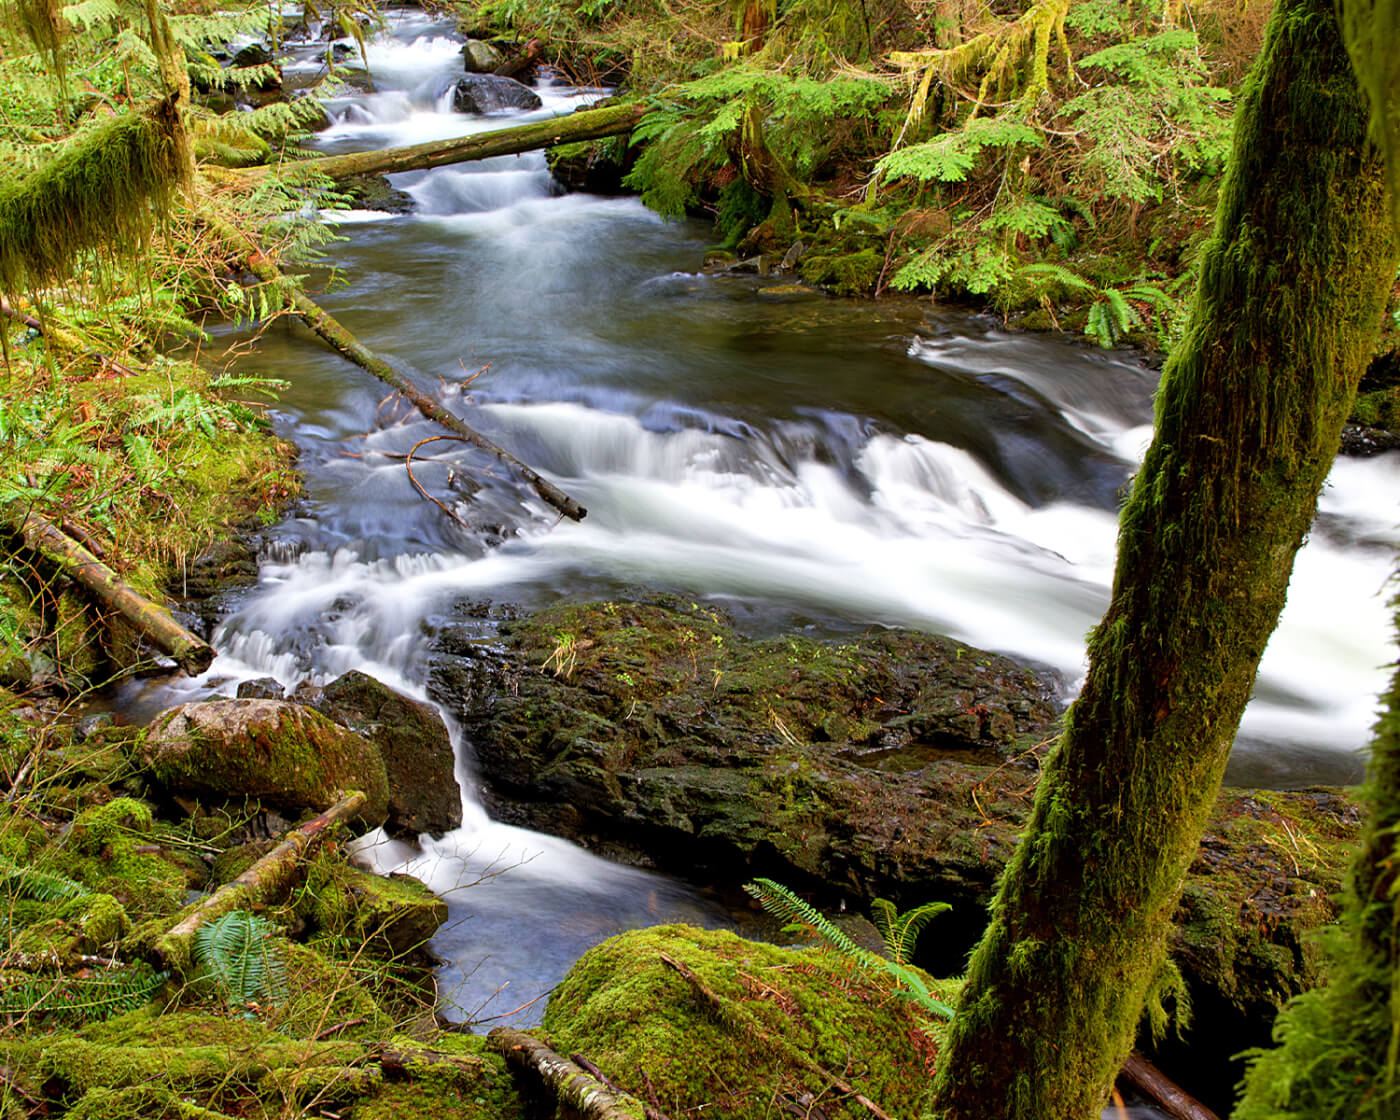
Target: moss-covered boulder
[744, 1029]
[868, 766]
[395, 916]
[284, 755]
[417, 752]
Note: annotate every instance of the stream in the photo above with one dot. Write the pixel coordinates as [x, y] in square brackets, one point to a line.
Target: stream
[807, 462]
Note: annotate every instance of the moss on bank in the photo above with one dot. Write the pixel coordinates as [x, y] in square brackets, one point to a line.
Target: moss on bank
[647, 1027]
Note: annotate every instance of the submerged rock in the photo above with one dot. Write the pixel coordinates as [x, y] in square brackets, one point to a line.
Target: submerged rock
[280, 753]
[417, 752]
[491, 93]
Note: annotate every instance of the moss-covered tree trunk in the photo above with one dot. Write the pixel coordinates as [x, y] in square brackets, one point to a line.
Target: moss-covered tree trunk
[1339, 1046]
[1248, 420]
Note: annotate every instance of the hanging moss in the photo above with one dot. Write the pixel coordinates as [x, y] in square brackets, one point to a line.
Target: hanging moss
[103, 192]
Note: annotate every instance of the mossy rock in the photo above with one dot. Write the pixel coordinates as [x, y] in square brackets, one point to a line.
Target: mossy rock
[867, 765]
[643, 1023]
[394, 916]
[284, 755]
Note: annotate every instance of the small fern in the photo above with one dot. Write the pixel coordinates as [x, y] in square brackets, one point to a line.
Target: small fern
[901, 931]
[239, 954]
[787, 907]
[70, 1000]
[40, 886]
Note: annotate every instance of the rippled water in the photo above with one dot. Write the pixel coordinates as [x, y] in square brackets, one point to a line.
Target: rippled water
[808, 462]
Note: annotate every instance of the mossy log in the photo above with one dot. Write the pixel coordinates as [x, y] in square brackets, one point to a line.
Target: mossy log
[587, 124]
[566, 1081]
[190, 652]
[267, 880]
[341, 340]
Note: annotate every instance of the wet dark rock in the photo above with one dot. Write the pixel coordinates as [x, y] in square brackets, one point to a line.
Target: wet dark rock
[286, 756]
[417, 752]
[264, 688]
[656, 726]
[223, 565]
[592, 167]
[491, 93]
[1362, 441]
[891, 765]
[254, 54]
[374, 192]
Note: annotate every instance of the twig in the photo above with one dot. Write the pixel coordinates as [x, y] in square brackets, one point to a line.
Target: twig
[342, 1026]
[588, 1067]
[408, 466]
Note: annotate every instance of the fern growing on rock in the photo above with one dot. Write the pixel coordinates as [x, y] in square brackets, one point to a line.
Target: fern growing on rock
[779, 901]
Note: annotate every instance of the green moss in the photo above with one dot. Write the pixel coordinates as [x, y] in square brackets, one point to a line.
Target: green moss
[643, 1023]
[97, 194]
[1378, 409]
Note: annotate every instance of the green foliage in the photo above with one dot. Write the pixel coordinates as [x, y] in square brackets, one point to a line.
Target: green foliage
[1153, 119]
[103, 193]
[951, 156]
[39, 885]
[71, 1000]
[774, 128]
[239, 954]
[779, 901]
[901, 931]
[1113, 312]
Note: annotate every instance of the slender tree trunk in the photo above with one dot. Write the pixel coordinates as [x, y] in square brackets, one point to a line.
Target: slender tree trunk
[1248, 420]
[1339, 1046]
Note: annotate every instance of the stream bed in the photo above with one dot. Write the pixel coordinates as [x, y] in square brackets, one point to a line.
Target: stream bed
[810, 463]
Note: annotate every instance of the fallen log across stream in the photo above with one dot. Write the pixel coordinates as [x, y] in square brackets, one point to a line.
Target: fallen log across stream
[341, 340]
[151, 620]
[586, 124]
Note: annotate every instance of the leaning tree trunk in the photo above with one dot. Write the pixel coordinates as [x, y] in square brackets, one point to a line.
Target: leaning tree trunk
[1248, 420]
[1339, 1046]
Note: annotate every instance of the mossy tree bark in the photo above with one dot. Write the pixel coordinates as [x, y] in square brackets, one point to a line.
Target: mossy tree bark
[1339, 1046]
[1248, 420]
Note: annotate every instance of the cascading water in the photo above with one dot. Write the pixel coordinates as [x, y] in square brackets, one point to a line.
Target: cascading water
[808, 462]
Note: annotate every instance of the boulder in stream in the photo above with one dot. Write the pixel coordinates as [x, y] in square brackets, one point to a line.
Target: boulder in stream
[492, 93]
[891, 765]
[417, 752]
[284, 755]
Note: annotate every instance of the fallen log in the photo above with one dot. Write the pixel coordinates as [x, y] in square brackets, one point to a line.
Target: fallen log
[586, 124]
[1169, 1097]
[153, 621]
[341, 340]
[570, 1085]
[268, 880]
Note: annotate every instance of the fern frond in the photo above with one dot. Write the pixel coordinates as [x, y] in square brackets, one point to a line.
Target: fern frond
[78, 999]
[787, 907]
[239, 953]
[41, 886]
[901, 931]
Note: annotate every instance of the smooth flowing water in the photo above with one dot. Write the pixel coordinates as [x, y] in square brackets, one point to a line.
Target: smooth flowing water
[808, 462]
